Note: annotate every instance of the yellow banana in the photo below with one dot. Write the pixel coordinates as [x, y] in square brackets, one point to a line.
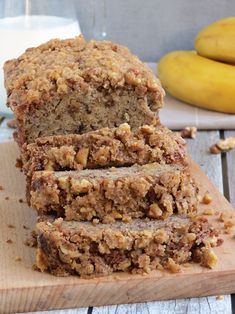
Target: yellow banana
[217, 41]
[199, 81]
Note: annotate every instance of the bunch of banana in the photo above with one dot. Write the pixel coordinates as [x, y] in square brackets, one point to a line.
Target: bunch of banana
[197, 77]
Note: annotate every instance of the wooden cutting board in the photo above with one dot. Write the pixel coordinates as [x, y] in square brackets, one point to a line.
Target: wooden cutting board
[22, 289]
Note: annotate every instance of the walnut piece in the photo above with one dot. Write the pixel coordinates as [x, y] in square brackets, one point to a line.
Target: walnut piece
[82, 156]
[189, 132]
[228, 226]
[80, 186]
[155, 211]
[223, 145]
[210, 259]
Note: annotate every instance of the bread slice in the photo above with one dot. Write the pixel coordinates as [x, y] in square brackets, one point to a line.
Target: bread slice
[73, 86]
[84, 249]
[151, 190]
[106, 147]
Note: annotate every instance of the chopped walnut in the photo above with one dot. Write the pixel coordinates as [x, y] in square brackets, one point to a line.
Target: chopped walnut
[126, 218]
[223, 145]
[80, 186]
[123, 130]
[148, 129]
[82, 156]
[228, 226]
[214, 149]
[126, 117]
[210, 259]
[207, 199]
[116, 215]
[172, 266]
[155, 211]
[9, 241]
[189, 132]
[63, 183]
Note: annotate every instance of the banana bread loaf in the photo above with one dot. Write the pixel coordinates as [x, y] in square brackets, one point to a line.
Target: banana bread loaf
[84, 249]
[105, 195]
[106, 147]
[73, 86]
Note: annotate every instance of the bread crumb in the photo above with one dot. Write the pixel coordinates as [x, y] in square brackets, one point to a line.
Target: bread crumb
[9, 241]
[210, 259]
[21, 200]
[172, 266]
[207, 199]
[228, 226]
[25, 227]
[209, 212]
[1, 188]
[219, 297]
[31, 241]
[11, 226]
[19, 163]
[7, 198]
[18, 259]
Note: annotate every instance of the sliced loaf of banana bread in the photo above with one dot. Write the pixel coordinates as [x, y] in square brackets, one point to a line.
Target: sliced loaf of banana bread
[106, 147]
[73, 86]
[152, 190]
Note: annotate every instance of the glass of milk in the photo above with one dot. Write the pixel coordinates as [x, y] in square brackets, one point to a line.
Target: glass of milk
[29, 23]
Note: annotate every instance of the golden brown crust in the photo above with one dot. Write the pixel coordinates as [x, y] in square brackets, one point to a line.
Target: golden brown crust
[66, 248]
[59, 65]
[116, 193]
[77, 83]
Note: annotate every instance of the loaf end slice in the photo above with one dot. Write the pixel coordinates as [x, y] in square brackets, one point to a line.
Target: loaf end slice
[73, 86]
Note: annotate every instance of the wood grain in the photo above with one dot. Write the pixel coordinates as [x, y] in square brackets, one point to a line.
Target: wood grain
[202, 305]
[23, 289]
